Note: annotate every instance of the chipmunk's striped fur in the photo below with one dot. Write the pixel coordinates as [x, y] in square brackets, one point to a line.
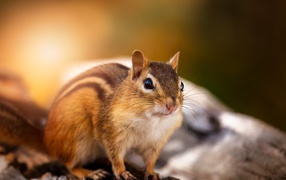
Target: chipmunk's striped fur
[110, 108]
[21, 120]
[15, 129]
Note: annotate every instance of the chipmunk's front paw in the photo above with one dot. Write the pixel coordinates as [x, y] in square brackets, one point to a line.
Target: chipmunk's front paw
[154, 176]
[97, 175]
[127, 176]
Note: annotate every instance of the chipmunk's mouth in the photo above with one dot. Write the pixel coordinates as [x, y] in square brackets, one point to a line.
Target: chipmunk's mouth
[166, 112]
[161, 114]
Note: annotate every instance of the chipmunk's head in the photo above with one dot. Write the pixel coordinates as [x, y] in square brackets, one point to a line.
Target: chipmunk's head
[157, 85]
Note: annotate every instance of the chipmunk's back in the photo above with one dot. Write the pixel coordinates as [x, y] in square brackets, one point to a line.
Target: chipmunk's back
[73, 112]
[103, 79]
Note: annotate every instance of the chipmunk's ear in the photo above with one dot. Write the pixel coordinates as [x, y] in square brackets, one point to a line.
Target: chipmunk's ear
[174, 62]
[139, 62]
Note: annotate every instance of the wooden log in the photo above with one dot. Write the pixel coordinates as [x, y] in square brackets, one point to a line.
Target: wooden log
[213, 143]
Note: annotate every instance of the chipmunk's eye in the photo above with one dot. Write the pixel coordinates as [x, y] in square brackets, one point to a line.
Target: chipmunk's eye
[148, 83]
[182, 86]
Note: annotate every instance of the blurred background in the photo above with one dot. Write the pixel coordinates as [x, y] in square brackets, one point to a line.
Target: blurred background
[236, 49]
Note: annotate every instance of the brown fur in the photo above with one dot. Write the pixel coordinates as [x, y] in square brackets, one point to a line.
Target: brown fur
[21, 120]
[104, 109]
[15, 129]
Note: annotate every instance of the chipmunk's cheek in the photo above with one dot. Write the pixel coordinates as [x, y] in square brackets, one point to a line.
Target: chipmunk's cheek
[157, 109]
[154, 111]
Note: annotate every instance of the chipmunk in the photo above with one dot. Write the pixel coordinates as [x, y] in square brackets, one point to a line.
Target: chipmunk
[109, 110]
[117, 109]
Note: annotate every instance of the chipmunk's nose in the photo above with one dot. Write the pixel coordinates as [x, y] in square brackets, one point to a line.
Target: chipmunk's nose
[171, 105]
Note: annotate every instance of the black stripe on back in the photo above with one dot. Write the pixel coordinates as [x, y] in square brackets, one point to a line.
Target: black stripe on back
[101, 71]
[101, 75]
[94, 86]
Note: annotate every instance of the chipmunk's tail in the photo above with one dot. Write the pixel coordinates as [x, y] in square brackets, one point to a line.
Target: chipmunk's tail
[16, 129]
[21, 120]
